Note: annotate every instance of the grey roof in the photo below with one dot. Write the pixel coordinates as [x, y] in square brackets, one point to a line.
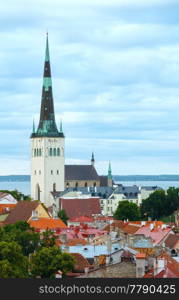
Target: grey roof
[100, 191]
[151, 188]
[121, 189]
[80, 172]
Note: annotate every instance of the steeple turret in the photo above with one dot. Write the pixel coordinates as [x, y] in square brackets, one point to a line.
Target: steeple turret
[47, 125]
[109, 171]
[92, 159]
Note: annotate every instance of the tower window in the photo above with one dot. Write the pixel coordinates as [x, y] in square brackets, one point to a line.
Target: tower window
[35, 152]
[54, 187]
[58, 151]
[94, 184]
[50, 151]
[57, 172]
[40, 152]
[39, 172]
[35, 172]
[76, 185]
[51, 172]
[86, 184]
[54, 152]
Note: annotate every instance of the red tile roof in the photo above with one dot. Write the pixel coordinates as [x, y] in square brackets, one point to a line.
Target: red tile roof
[81, 219]
[74, 242]
[156, 234]
[46, 223]
[171, 240]
[171, 268]
[80, 262]
[76, 207]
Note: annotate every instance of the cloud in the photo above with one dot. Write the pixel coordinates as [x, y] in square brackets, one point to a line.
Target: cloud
[115, 67]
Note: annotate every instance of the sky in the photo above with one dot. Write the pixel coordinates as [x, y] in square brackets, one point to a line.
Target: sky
[115, 68]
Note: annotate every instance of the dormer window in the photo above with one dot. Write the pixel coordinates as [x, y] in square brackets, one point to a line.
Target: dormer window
[34, 215]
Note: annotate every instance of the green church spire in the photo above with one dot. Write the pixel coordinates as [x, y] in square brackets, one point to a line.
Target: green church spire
[109, 171]
[33, 128]
[47, 125]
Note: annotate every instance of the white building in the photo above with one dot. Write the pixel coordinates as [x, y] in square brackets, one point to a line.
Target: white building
[47, 146]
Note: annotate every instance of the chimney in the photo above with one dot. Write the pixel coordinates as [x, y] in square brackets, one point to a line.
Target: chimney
[151, 226]
[86, 269]
[159, 265]
[140, 265]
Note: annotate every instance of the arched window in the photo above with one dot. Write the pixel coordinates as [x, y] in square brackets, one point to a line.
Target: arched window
[40, 152]
[86, 184]
[54, 187]
[50, 152]
[76, 185]
[57, 172]
[67, 185]
[54, 152]
[35, 172]
[35, 152]
[39, 172]
[94, 184]
[58, 151]
[51, 172]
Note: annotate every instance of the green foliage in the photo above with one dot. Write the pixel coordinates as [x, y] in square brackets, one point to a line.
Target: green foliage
[63, 216]
[48, 239]
[160, 203]
[23, 234]
[13, 264]
[127, 210]
[47, 261]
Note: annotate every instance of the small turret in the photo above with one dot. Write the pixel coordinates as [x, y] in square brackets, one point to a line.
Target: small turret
[110, 181]
[92, 159]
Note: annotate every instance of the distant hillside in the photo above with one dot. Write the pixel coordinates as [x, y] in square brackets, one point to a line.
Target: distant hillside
[15, 178]
[146, 177]
[115, 177]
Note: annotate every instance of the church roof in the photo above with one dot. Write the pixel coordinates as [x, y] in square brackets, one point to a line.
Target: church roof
[80, 172]
[76, 207]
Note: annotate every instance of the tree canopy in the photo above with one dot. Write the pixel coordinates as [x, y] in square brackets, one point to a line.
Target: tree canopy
[127, 210]
[63, 216]
[47, 261]
[160, 203]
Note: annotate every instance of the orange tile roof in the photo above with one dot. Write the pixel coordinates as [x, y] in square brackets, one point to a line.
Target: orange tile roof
[74, 242]
[47, 223]
[3, 207]
[130, 229]
[140, 255]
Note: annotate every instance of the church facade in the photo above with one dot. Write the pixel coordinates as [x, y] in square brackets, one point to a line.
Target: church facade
[48, 170]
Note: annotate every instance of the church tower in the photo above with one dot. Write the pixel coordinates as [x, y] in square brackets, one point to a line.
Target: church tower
[110, 181]
[47, 145]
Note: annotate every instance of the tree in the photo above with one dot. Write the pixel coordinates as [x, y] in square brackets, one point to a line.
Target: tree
[23, 234]
[48, 239]
[13, 264]
[154, 205]
[47, 261]
[63, 216]
[127, 210]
